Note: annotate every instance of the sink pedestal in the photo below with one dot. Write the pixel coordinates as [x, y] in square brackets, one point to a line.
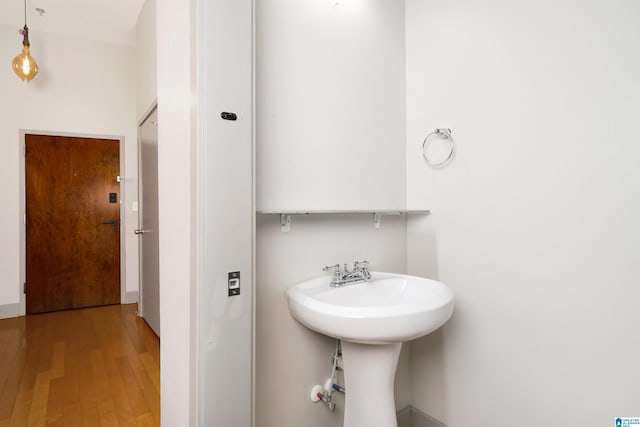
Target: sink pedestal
[369, 373]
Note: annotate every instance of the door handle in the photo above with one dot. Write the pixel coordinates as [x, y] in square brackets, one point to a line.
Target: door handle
[140, 231]
[112, 222]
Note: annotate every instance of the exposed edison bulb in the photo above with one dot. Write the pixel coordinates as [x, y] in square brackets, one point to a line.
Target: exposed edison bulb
[24, 65]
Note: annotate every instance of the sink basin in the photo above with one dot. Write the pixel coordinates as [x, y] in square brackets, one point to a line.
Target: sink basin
[386, 309]
[372, 320]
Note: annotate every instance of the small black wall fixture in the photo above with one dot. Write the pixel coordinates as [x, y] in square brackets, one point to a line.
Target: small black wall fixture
[229, 116]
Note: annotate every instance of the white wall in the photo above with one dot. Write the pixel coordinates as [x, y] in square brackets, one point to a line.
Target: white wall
[146, 59]
[97, 98]
[534, 224]
[331, 107]
[330, 134]
[226, 215]
[177, 140]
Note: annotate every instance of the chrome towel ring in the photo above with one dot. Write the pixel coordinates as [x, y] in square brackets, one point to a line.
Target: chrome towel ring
[439, 134]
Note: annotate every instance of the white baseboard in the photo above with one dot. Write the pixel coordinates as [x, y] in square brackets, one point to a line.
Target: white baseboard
[404, 417]
[10, 310]
[130, 297]
[412, 417]
[420, 419]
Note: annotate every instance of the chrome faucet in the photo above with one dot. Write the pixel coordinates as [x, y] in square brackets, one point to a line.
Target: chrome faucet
[342, 277]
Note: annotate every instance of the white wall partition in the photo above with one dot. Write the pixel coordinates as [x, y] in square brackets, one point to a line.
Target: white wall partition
[206, 211]
[225, 213]
[177, 206]
[534, 223]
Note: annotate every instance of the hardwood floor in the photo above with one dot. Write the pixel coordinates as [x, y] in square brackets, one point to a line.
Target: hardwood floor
[89, 367]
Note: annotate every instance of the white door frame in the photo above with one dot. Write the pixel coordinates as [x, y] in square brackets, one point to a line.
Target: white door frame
[23, 226]
[150, 111]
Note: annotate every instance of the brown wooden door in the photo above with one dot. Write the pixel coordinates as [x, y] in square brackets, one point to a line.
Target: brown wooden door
[73, 222]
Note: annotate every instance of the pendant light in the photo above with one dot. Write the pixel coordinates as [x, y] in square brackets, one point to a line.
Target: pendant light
[24, 65]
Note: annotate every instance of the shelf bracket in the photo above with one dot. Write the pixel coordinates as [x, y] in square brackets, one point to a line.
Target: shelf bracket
[376, 219]
[285, 222]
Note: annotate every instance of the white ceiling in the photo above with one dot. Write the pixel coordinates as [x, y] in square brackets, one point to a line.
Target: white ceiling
[111, 21]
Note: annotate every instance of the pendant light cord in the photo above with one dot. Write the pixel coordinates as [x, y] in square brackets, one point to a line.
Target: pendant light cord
[25, 30]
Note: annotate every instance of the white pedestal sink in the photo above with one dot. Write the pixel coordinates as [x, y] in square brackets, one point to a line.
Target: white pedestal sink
[372, 320]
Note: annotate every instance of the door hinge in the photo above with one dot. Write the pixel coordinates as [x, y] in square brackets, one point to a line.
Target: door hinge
[24, 288]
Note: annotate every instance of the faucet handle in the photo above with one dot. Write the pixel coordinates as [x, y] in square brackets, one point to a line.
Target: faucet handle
[360, 265]
[336, 274]
[335, 268]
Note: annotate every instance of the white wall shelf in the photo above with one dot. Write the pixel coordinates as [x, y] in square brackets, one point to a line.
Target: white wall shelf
[285, 215]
